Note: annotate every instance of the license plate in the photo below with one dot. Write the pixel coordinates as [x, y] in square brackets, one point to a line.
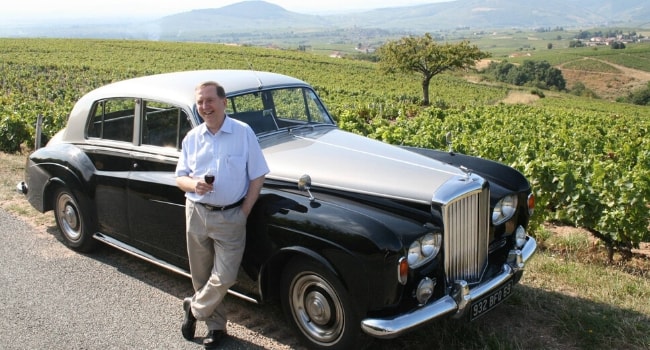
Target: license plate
[488, 302]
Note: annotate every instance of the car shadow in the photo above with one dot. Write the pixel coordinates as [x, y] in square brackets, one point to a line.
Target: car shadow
[534, 318]
[266, 320]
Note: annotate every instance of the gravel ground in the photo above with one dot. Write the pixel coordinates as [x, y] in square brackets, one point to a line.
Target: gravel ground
[55, 298]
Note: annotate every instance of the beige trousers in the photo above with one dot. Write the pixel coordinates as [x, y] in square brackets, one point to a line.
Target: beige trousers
[215, 246]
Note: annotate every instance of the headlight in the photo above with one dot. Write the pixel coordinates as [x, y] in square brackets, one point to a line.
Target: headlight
[504, 209]
[424, 249]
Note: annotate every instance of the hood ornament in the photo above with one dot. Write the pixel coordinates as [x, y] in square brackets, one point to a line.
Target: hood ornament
[449, 141]
[467, 171]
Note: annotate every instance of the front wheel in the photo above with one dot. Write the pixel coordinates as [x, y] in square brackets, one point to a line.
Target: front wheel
[318, 305]
[75, 224]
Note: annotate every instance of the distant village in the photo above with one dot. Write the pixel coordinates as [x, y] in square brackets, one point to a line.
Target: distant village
[615, 39]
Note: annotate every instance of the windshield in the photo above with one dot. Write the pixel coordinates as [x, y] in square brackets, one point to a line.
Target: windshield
[271, 110]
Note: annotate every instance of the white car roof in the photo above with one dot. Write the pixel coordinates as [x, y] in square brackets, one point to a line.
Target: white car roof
[179, 87]
[175, 88]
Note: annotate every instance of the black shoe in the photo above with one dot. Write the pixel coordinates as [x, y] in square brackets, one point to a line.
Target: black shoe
[189, 322]
[213, 339]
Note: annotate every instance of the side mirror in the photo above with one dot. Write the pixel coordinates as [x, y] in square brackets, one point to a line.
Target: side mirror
[304, 184]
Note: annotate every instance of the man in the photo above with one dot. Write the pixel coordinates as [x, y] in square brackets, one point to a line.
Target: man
[216, 212]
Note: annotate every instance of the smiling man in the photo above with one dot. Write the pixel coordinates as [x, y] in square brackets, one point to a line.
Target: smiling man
[216, 212]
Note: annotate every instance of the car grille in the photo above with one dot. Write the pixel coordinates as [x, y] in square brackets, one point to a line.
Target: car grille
[466, 233]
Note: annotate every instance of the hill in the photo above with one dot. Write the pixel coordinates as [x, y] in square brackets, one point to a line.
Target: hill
[264, 21]
[483, 14]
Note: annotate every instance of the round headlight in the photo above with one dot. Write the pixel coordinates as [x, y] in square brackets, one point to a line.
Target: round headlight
[504, 209]
[430, 244]
[424, 249]
[415, 252]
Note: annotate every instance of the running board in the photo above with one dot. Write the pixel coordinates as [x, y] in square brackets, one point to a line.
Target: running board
[152, 259]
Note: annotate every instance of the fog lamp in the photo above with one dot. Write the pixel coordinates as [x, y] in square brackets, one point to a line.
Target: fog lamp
[520, 237]
[425, 290]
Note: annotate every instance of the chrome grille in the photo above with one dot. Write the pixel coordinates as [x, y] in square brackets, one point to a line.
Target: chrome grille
[466, 233]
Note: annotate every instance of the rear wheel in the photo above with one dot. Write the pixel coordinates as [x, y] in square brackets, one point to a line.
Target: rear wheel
[75, 224]
[318, 305]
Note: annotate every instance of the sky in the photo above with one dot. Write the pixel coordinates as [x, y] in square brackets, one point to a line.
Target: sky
[33, 10]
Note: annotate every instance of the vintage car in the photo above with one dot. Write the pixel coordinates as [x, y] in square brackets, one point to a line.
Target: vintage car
[353, 236]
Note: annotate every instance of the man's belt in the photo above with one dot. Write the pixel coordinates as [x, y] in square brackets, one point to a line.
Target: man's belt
[222, 208]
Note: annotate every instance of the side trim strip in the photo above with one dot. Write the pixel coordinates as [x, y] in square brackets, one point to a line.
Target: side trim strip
[152, 259]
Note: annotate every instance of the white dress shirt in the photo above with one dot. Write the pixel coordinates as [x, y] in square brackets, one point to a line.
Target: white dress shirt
[233, 155]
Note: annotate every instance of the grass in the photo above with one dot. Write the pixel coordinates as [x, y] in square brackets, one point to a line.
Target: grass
[570, 296]
[633, 56]
[591, 66]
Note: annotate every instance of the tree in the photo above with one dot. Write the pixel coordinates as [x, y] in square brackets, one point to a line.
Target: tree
[539, 74]
[576, 43]
[424, 56]
[640, 97]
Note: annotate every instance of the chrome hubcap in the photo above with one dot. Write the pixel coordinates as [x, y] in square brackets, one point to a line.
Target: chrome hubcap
[69, 217]
[317, 309]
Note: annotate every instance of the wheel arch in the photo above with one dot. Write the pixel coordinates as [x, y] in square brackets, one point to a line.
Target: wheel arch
[272, 270]
[49, 190]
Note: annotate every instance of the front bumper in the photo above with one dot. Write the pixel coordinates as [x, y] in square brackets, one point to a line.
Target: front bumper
[457, 303]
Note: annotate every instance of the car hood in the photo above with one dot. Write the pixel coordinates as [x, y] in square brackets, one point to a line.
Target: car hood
[344, 161]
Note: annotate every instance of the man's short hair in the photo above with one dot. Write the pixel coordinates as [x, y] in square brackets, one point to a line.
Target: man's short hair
[221, 92]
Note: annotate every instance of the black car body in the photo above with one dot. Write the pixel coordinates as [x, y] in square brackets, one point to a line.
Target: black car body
[350, 234]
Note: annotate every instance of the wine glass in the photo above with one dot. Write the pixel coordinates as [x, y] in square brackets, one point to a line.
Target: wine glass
[209, 177]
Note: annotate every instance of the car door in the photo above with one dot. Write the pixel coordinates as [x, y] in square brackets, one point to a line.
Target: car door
[110, 133]
[156, 206]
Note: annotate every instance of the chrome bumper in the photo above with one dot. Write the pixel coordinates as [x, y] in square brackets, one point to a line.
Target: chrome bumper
[457, 303]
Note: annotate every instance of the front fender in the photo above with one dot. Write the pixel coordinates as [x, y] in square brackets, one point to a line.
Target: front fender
[343, 236]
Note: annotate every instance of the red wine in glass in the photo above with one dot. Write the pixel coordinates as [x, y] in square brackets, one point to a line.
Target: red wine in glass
[209, 178]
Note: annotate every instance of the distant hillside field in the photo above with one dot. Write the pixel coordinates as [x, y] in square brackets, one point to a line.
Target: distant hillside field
[261, 23]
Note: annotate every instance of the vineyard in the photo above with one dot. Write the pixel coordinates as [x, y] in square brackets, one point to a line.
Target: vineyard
[588, 160]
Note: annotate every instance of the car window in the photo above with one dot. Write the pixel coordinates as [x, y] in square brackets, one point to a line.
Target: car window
[245, 103]
[299, 105]
[290, 104]
[254, 109]
[163, 125]
[113, 119]
[273, 109]
[315, 109]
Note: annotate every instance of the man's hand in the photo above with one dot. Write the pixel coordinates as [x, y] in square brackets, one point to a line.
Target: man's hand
[203, 187]
[188, 184]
